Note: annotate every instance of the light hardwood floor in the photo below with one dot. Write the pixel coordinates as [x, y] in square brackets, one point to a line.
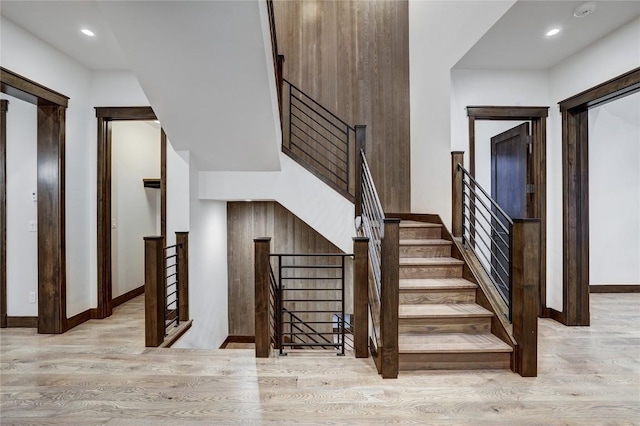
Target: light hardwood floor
[100, 373]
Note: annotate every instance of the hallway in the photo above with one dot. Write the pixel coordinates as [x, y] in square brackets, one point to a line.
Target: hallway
[100, 373]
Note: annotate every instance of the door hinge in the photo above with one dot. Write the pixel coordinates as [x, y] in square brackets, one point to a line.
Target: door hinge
[530, 188]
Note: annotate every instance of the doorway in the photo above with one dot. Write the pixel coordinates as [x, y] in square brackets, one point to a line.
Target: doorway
[106, 116]
[517, 153]
[575, 190]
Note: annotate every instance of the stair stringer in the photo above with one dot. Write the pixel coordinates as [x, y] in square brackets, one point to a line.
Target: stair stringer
[296, 189]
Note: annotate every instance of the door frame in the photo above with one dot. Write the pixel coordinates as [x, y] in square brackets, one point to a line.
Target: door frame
[105, 117]
[575, 190]
[52, 266]
[538, 117]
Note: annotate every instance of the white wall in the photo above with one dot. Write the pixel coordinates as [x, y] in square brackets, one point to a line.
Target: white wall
[440, 33]
[614, 192]
[208, 286]
[31, 57]
[22, 245]
[294, 188]
[135, 155]
[177, 192]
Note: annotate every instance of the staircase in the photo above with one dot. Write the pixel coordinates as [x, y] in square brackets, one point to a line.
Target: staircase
[440, 325]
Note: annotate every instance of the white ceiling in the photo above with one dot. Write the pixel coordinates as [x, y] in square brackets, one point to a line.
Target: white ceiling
[59, 24]
[517, 40]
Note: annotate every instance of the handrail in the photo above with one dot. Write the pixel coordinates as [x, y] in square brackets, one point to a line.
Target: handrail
[488, 230]
[372, 219]
[318, 104]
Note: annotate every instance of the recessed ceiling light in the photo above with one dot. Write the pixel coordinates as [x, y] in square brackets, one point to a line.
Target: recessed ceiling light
[553, 32]
[156, 121]
[87, 32]
[584, 10]
[248, 201]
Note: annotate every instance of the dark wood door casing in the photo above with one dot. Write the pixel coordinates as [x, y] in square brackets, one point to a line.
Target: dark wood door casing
[51, 110]
[575, 190]
[4, 107]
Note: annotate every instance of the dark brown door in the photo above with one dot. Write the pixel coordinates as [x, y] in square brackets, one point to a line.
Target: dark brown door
[509, 151]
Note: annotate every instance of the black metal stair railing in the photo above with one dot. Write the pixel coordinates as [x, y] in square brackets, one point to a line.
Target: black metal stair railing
[487, 229]
[318, 139]
[172, 304]
[308, 293]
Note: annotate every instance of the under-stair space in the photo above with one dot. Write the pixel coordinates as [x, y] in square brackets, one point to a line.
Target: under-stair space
[440, 325]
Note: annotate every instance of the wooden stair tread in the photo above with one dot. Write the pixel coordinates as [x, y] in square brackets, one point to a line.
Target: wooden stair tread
[433, 242]
[451, 343]
[416, 224]
[435, 284]
[430, 261]
[442, 310]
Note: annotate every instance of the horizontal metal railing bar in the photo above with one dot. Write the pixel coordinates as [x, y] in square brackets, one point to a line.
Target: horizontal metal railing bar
[171, 275]
[308, 322]
[473, 216]
[311, 267]
[311, 255]
[316, 333]
[312, 300]
[171, 256]
[312, 312]
[311, 278]
[300, 322]
[171, 303]
[467, 174]
[171, 294]
[298, 99]
[326, 110]
[318, 162]
[486, 207]
[335, 345]
[320, 124]
[311, 289]
[340, 169]
[170, 247]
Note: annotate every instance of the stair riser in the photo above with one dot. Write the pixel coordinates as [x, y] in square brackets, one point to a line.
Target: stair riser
[444, 325]
[419, 271]
[419, 297]
[425, 251]
[455, 361]
[420, 233]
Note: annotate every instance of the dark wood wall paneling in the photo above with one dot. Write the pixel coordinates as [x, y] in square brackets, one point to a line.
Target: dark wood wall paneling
[247, 221]
[353, 58]
[52, 316]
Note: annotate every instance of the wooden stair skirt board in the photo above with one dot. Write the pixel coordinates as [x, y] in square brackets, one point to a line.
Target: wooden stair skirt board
[440, 325]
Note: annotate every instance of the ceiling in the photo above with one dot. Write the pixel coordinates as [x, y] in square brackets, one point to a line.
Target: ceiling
[59, 24]
[518, 41]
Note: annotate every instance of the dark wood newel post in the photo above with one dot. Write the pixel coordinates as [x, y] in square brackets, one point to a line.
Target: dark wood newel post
[389, 297]
[361, 140]
[457, 157]
[361, 296]
[279, 78]
[262, 247]
[526, 280]
[182, 240]
[154, 291]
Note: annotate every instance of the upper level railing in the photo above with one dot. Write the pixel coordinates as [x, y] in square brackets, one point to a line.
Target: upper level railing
[318, 139]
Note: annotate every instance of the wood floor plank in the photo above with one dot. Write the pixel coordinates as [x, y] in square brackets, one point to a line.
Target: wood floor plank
[101, 374]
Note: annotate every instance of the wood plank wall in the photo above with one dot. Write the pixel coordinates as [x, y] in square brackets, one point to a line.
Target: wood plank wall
[353, 57]
[249, 220]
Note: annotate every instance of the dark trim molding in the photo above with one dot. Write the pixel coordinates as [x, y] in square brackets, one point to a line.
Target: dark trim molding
[78, 319]
[556, 316]
[537, 207]
[22, 322]
[163, 183]
[237, 339]
[614, 288]
[4, 107]
[51, 106]
[20, 87]
[176, 334]
[105, 116]
[575, 190]
[124, 298]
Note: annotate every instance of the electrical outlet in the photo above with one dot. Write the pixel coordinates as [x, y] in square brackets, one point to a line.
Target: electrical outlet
[32, 297]
[33, 226]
